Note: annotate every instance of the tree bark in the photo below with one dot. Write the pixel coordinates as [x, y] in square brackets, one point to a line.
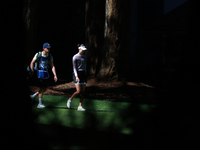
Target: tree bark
[109, 56]
[30, 16]
[95, 19]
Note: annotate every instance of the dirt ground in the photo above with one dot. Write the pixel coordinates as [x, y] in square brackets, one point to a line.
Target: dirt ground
[109, 91]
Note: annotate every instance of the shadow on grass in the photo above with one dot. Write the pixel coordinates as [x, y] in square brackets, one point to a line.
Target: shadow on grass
[73, 138]
[87, 110]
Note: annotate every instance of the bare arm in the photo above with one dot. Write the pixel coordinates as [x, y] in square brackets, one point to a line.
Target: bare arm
[54, 71]
[31, 66]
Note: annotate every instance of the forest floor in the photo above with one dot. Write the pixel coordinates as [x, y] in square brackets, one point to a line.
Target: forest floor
[109, 91]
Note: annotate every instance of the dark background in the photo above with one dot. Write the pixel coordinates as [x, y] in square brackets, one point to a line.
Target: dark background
[62, 24]
[179, 110]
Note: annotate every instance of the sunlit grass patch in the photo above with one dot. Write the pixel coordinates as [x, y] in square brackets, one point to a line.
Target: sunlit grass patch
[89, 104]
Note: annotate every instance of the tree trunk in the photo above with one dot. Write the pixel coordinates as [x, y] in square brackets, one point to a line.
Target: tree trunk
[95, 19]
[30, 23]
[111, 59]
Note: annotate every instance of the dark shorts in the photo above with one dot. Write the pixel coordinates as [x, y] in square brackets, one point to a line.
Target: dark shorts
[42, 82]
[82, 77]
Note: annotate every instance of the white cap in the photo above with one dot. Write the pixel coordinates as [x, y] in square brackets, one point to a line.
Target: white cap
[82, 48]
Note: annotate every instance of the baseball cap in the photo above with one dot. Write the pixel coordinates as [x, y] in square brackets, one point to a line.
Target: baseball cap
[46, 45]
[82, 47]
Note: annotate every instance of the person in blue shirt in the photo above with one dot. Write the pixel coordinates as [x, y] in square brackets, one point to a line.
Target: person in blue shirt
[42, 63]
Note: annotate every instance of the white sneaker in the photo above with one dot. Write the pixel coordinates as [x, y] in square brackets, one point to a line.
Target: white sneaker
[81, 108]
[40, 106]
[69, 103]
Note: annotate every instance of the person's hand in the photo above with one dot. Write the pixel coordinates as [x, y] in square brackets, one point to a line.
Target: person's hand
[77, 79]
[55, 78]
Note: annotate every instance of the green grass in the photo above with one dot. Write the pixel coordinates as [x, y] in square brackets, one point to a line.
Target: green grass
[98, 105]
[102, 120]
[103, 113]
[60, 101]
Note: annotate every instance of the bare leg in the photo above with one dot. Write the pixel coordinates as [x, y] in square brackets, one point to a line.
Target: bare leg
[42, 90]
[40, 95]
[78, 91]
[82, 94]
[36, 93]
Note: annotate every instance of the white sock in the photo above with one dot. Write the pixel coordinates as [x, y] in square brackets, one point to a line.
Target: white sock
[33, 96]
[40, 100]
